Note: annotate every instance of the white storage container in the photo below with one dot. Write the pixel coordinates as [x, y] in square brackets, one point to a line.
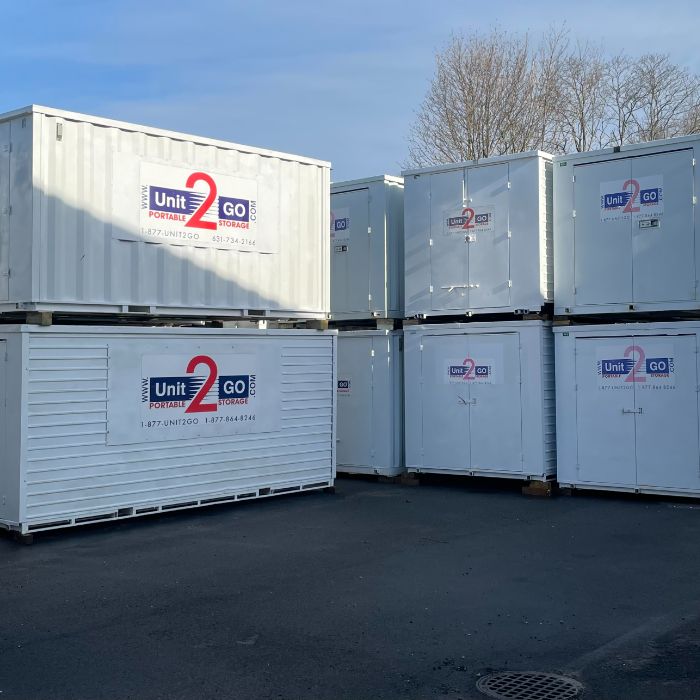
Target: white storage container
[370, 406]
[479, 399]
[108, 217]
[101, 423]
[625, 229]
[478, 236]
[627, 407]
[367, 248]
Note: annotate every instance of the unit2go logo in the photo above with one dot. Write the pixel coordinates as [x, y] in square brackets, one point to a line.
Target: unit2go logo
[635, 368]
[468, 370]
[199, 388]
[635, 198]
[182, 204]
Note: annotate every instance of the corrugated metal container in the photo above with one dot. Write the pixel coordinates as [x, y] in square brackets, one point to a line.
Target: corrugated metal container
[627, 407]
[478, 236]
[367, 248]
[479, 399]
[104, 216]
[102, 423]
[625, 229]
[370, 406]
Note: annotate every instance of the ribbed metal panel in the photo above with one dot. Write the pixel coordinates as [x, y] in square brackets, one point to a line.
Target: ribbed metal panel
[70, 471]
[65, 247]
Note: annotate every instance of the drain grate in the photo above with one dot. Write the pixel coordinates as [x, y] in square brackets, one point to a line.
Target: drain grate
[528, 685]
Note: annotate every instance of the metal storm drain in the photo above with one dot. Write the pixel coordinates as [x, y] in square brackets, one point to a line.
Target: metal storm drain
[528, 685]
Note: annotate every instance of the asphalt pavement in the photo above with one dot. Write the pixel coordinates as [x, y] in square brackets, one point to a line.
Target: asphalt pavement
[378, 591]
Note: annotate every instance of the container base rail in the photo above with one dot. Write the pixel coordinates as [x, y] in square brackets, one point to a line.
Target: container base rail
[143, 509]
[545, 313]
[370, 324]
[632, 316]
[50, 314]
[540, 485]
[569, 489]
[372, 473]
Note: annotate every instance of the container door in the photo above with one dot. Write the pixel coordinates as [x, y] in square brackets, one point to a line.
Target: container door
[449, 250]
[602, 233]
[663, 227]
[495, 424]
[487, 232]
[666, 396]
[4, 209]
[445, 403]
[355, 411]
[605, 371]
[350, 252]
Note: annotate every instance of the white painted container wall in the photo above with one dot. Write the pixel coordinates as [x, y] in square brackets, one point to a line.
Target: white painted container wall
[98, 215]
[627, 407]
[102, 423]
[367, 248]
[479, 399]
[625, 229]
[478, 236]
[370, 402]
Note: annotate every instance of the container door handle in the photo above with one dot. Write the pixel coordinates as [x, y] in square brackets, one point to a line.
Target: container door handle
[632, 410]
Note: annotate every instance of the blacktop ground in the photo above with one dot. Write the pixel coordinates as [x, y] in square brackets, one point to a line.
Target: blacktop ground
[378, 591]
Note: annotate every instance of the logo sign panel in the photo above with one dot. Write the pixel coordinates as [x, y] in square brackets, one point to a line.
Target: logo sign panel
[178, 396]
[636, 365]
[471, 370]
[340, 226]
[634, 199]
[477, 218]
[344, 386]
[187, 206]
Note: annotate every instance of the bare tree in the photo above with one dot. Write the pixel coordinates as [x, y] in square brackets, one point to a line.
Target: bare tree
[624, 95]
[485, 99]
[669, 94]
[497, 93]
[583, 89]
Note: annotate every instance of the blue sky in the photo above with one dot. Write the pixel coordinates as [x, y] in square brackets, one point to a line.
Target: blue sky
[335, 80]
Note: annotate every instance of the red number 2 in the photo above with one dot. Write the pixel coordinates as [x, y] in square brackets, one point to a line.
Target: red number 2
[470, 364]
[633, 376]
[196, 405]
[195, 220]
[629, 207]
[469, 213]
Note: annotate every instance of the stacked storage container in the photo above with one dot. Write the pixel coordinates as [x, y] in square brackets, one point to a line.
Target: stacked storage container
[102, 220]
[366, 306]
[626, 250]
[479, 395]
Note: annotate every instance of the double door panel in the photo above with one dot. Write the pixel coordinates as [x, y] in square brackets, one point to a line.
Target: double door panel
[634, 230]
[350, 252]
[471, 403]
[470, 250]
[637, 411]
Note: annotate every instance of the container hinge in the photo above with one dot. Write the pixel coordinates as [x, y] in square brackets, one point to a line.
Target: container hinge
[693, 162]
[431, 288]
[695, 200]
[371, 352]
[430, 241]
[369, 229]
[510, 235]
[7, 148]
[508, 184]
[369, 296]
[573, 178]
[575, 291]
[421, 349]
[510, 283]
[573, 214]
